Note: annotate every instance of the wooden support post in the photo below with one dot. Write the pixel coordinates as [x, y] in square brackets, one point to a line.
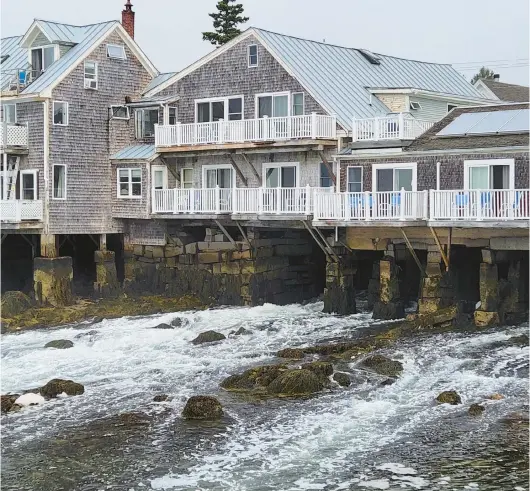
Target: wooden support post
[328, 166]
[243, 234]
[102, 242]
[326, 245]
[449, 241]
[238, 170]
[440, 248]
[413, 252]
[252, 168]
[228, 236]
[169, 168]
[49, 245]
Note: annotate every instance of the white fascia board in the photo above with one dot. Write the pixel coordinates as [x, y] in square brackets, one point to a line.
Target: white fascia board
[482, 85]
[135, 48]
[24, 98]
[432, 95]
[31, 34]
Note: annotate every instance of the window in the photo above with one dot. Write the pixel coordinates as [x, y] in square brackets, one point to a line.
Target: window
[91, 75]
[42, 59]
[145, 122]
[272, 105]
[60, 113]
[489, 174]
[116, 51]
[218, 175]
[253, 55]
[9, 113]
[129, 183]
[159, 177]
[394, 177]
[281, 175]
[298, 104]
[325, 178]
[119, 112]
[450, 107]
[235, 109]
[186, 178]
[172, 115]
[355, 179]
[415, 105]
[28, 187]
[59, 181]
[210, 110]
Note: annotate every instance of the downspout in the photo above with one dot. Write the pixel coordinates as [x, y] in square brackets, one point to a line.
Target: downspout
[46, 162]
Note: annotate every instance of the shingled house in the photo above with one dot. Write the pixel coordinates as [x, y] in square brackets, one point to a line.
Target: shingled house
[493, 88]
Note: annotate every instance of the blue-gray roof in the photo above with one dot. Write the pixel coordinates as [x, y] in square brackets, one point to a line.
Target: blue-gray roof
[17, 59]
[135, 152]
[159, 79]
[62, 33]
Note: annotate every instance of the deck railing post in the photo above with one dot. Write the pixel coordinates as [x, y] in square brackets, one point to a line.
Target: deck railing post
[217, 197]
[235, 196]
[261, 197]
[367, 205]
[307, 198]
[265, 127]
[402, 204]
[401, 126]
[425, 204]
[278, 199]
[175, 200]
[478, 204]
[191, 199]
[353, 130]
[18, 210]
[220, 130]
[376, 128]
[313, 125]
[432, 212]
[178, 132]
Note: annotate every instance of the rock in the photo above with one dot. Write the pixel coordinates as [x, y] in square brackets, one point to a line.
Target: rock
[387, 311]
[295, 383]
[388, 381]
[163, 326]
[343, 379]
[322, 369]
[292, 353]
[496, 397]
[131, 419]
[208, 337]
[486, 319]
[241, 331]
[476, 410]
[96, 320]
[257, 378]
[178, 322]
[521, 341]
[59, 344]
[57, 386]
[14, 303]
[382, 365]
[161, 398]
[449, 397]
[203, 407]
[89, 334]
[7, 402]
[440, 318]
[29, 399]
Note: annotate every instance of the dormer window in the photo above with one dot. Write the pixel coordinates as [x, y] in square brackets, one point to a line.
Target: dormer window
[42, 58]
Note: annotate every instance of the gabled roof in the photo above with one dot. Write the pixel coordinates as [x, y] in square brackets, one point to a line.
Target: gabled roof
[136, 152]
[159, 79]
[338, 77]
[506, 92]
[55, 32]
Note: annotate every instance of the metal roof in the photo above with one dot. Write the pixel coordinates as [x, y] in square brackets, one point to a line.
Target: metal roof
[135, 152]
[62, 33]
[159, 79]
[18, 59]
[338, 77]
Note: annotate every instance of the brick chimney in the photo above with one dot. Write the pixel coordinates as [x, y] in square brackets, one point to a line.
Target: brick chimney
[127, 19]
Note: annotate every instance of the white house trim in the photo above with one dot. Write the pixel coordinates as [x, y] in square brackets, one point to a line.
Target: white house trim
[276, 165]
[215, 167]
[396, 165]
[272, 94]
[487, 163]
[481, 86]
[224, 99]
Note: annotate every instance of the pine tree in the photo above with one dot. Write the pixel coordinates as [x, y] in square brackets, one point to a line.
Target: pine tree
[225, 22]
[483, 73]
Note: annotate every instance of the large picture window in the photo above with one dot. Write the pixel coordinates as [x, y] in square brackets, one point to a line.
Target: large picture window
[227, 108]
[272, 105]
[129, 183]
[394, 177]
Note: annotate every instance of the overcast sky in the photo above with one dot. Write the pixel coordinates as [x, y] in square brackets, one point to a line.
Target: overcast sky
[466, 33]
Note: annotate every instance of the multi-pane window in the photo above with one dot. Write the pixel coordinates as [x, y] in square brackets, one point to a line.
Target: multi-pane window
[355, 179]
[213, 110]
[116, 51]
[60, 113]
[91, 75]
[395, 179]
[9, 113]
[298, 104]
[59, 181]
[325, 177]
[273, 105]
[221, 176]
[145, 122]
[129, 183]
[235, 108]
[253, 55]
[172, 115]
[186, 178]
[28, 185]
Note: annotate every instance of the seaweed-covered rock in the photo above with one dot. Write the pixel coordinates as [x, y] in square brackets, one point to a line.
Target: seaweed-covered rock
[208, 337]
[203, 407]
[257, 378]
[8, 401]
[449, 397]
[476, 410]
[14, 303]
[59, 344]
[343, 379]
[161, 398]
[163, 326]
[57, 386]
[291, 353]
[383, 365]
[321, 369]
[295, 383]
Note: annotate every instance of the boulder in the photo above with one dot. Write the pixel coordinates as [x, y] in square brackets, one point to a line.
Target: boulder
[322, 369]
[208, 337]
[295, 383]
[7, 402]
[14, 303]
[161, 398]
[476, 410]
[59, 344]
[388, 381]
[343, 379]
[449, 397]
[496, 397]
[387, 311]
[57, 386]
[292, 353]
[89, 334]
[131, 419]
[382, 365]
[521, 341]
[163, 326]
[257, 378]
[179, 322]
[240, 332]
[203, 407]
[96, 320]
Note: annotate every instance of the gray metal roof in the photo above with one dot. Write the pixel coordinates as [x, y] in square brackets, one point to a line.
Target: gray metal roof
[18, 59]
[159, 79]
[135, 152]
[62, 33]
[338, 77]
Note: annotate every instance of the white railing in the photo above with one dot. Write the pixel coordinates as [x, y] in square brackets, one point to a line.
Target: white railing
[247, 130]
[13, 135]
[387, 205]
[17, 210]
[490, 204]
[400, 126]
[209, 200]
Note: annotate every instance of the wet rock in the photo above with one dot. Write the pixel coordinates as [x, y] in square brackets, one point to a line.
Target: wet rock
[257, 378]
[387, 311]
[14, 303]
[7, 402]
[161, 398]
[131, 419]
[343, 379]
[295, 383]
[96, 320]
[521, 340]
[208, 337]
[57, 386]
[337, 349]
[382, 365]
[203, 407]
[240, 332]
[449, 397]
[163, 326]
[322, 369]
[388, 381]
[441, 318]
[90, 334]
[496, 397]
[178, 322]
[476, 410]
[59, 344]
[292, 353]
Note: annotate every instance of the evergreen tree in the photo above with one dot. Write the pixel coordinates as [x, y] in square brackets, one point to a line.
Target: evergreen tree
[225, 22]
[483, 73]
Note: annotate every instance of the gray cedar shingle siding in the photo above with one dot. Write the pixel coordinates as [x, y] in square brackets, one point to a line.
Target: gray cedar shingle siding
[130, 207]
[84, 145]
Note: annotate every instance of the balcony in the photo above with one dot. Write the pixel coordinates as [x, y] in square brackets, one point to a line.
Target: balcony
[400, 126]
[18, 210]
[248, 201]
[13, 135]
[313, 126]
[18, 79]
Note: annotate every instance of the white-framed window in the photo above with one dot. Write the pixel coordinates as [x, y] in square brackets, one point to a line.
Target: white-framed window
[116, 51]
[130, 183]
[119, 112]
[28, 184]
[214, 109]
[325, 178]
[159, 176]
[450, 107]
[172, 115]
[42, 58]
[252, 55]
[59, 181]
[354, 179]
[186, 178]
[9, 113]
[298, 104]
[221, 175]
[273, 105]
[60, 113]
[414, 105]
[489, 174]
[145, 120]
[91, 75]
[394, 177]
[282, 175]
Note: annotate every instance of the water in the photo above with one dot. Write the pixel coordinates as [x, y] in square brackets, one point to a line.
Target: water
[363, 437]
